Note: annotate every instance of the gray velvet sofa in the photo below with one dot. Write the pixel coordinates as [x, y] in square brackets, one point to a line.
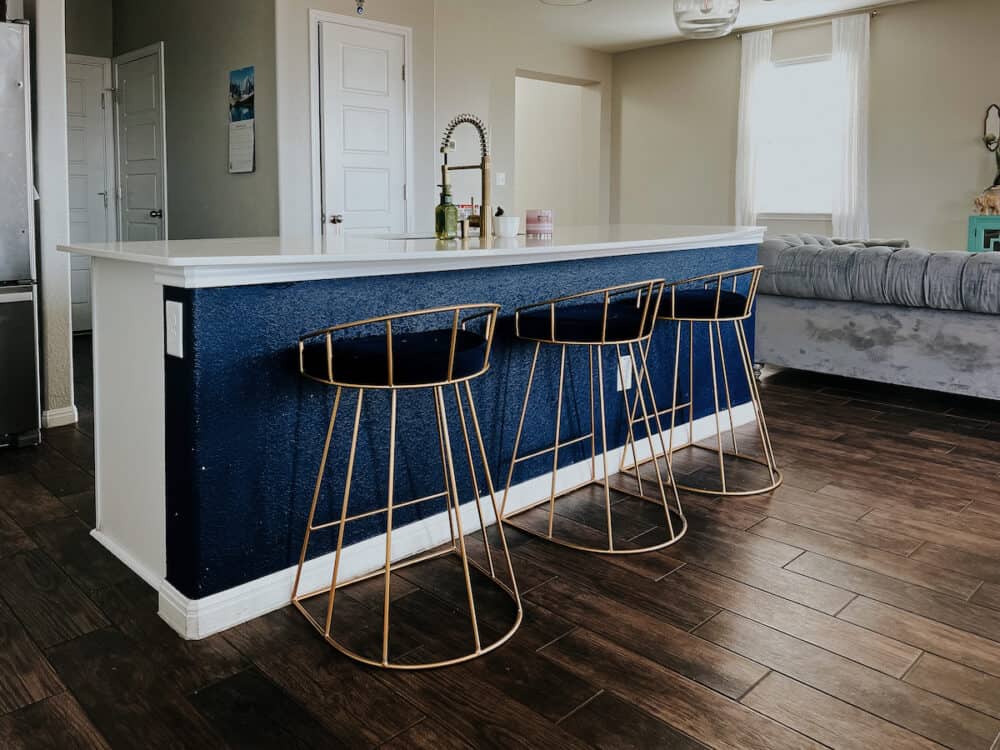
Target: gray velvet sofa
[881, 311]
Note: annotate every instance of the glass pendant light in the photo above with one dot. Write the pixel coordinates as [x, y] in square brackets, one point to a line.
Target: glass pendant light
[706, 19]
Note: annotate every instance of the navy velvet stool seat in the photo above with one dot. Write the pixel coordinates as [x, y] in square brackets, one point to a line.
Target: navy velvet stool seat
[436, 351]
[704, 304]
[585, 323]
[620, 321]
[712, 301]
[419, 358]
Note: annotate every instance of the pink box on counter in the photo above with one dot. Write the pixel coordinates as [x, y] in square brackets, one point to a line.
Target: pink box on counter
[539, 221]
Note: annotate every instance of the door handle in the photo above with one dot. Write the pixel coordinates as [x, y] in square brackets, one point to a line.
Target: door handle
[337, 219]
[156, 214]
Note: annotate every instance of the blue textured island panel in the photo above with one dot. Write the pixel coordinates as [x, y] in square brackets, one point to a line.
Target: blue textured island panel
[244, 430]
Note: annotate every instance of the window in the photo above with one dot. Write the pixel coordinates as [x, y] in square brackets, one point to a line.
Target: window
[800, 130]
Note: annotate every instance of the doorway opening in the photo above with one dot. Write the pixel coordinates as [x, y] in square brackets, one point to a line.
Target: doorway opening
[117, 163]
[558, 148]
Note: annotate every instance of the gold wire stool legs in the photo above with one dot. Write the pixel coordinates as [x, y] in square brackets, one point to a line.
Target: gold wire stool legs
[717, 367]
[665, 493]
[456, 547]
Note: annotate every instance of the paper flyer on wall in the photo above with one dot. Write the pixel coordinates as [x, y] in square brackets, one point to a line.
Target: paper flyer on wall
[242, 150]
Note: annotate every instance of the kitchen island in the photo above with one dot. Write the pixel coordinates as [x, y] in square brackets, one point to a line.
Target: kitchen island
[207, 439]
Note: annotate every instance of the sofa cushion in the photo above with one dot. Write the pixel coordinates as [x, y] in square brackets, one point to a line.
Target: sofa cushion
[943, 280]
[868, 273]
[904, 283]
[981, 283]
[814, 271]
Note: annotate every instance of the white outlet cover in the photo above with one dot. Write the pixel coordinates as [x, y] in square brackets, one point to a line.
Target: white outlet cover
[625, 374]
[174, 318]
[501, 179]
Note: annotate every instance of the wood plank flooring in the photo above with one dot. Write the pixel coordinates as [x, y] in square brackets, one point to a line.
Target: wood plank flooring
[856, 607]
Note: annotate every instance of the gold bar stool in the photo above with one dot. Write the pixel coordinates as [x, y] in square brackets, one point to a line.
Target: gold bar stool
[400, 356]
[621, 318]
[706, 300]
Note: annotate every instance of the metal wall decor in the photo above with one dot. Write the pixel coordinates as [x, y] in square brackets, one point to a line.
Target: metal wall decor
[992, 138]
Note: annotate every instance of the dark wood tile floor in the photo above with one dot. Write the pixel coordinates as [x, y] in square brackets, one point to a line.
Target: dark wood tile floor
[858, 606]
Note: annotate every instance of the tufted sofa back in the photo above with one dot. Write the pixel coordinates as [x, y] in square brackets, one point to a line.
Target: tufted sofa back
[884, 272]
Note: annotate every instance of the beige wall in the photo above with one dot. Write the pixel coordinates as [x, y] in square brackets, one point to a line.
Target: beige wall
[676, 113]
[558, 159]
[675, 110]
[464, 61]
[89, 28]
[479, 55]
[934, 73]
[204, 41]
[298, 171]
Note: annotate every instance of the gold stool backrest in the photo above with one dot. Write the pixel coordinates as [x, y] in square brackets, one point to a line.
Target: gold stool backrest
[459, 317]
[648, 295]
[717, 281]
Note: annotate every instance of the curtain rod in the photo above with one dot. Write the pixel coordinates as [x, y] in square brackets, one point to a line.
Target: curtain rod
[792, 25]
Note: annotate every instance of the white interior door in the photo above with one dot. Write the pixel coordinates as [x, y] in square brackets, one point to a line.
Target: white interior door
[141, 144]
[91, 187]
[364, 117]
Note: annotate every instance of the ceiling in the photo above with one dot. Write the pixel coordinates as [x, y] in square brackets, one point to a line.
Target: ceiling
[620, 25]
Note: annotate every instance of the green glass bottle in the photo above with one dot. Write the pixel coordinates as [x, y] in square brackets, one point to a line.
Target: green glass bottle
[446, 216]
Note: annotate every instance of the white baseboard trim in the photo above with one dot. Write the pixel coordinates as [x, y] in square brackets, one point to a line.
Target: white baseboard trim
[145, 573]
[199, 618]
[60, 417]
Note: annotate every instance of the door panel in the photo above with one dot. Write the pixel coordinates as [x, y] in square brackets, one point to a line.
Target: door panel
[141, 145]
[90, 166]
[363, 102]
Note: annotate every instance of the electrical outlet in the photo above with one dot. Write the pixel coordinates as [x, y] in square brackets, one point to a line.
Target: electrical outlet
[174, 316]
[501, 179]
[625, 374]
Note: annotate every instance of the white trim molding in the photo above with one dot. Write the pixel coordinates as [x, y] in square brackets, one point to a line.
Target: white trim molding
[195, 619]
[144, 572]
[66, 415]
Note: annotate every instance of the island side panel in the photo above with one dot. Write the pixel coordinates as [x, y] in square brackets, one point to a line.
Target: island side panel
[128, 415]
[240, 478]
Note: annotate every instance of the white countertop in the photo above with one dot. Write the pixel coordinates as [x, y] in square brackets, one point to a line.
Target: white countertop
[257, 260]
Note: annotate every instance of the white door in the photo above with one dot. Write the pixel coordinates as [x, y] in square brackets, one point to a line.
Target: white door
[91, 191]
[141, 149]
[363, 104]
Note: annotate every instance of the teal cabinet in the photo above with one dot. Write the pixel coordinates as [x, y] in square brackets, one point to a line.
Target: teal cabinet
[984, 234]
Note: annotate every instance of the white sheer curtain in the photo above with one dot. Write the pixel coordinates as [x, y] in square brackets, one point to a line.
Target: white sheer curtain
[851, 37]
[756, 62]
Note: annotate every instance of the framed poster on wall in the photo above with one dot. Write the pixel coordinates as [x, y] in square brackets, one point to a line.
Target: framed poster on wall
[242, 113]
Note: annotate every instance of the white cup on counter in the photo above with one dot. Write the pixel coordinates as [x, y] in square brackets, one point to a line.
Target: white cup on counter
[506, 226]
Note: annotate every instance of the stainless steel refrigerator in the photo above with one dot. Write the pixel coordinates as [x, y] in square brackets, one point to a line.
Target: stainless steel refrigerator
[20, 414]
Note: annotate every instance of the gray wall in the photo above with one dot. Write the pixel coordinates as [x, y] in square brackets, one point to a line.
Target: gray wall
[89, 28]
[204, 41]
